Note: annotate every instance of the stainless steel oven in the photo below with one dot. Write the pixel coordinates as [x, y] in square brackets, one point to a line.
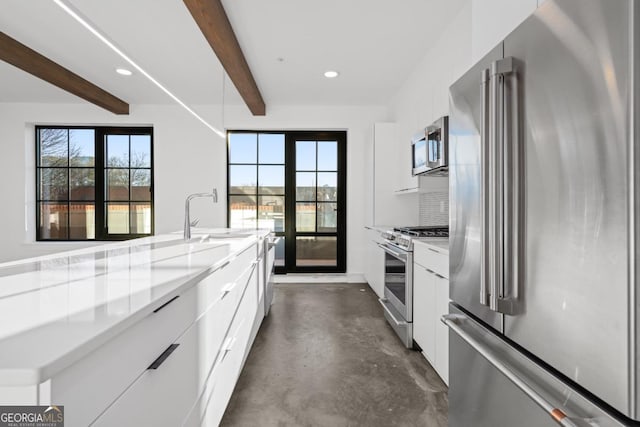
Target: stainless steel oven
[398, 291]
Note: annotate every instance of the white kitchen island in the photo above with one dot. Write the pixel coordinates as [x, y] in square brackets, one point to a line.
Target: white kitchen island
[152, 331]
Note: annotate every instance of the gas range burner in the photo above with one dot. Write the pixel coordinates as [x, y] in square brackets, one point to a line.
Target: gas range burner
[430, 231]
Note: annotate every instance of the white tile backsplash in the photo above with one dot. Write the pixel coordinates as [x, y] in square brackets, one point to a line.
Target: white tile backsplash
[434, 208]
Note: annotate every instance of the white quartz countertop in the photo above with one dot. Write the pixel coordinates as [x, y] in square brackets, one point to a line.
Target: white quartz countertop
[56, 308]
[439, 244]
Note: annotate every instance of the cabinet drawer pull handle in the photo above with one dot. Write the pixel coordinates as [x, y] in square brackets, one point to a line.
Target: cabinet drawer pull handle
[439, 275]
[227, 346]
[228, 288]
[429, 270]
[165, 354]
[166, 303]
[433, 250]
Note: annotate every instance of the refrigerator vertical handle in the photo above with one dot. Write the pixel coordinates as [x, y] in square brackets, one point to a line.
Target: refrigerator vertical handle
[505, 198]
[496, 139]
[485, 190]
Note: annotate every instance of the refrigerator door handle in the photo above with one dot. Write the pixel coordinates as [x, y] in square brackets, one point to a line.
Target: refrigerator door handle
[502, 201]
[453, 321]
[485, 229]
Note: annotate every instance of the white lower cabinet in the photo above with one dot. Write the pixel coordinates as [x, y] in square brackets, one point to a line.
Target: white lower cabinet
[212, 350]
[424, 317]
[374, 272]
[430, 303]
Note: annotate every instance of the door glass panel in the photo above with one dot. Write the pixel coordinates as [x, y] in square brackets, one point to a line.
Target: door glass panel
[306, 186]
[316, 251]
[242, 212]
[305, 155]
[242, 179]
[306, 217]
[271, 212]
[279, 255]
[327, 156]
[243, 148]
[271, 148]
[82, 219]
[118, 218]
[82, 147]
[54, 218]
[327, 186]
[327, 217]
[118, 151]
[271, 179]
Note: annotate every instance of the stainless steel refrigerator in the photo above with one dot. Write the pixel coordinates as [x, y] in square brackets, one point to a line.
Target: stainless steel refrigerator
[544, 181]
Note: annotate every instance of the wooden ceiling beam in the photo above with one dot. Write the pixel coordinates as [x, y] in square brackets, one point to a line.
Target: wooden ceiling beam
[21, 56]
[216, 28]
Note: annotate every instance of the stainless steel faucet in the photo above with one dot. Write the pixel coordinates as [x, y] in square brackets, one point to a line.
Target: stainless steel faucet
[187, 219]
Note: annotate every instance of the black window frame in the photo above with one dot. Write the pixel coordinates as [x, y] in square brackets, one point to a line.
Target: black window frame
[100, 167]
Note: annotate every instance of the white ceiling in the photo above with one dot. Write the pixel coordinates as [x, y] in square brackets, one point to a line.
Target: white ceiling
[374, 44]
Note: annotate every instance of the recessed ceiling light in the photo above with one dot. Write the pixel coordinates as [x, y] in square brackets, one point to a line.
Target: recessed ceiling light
[331, 74]
[123, 71]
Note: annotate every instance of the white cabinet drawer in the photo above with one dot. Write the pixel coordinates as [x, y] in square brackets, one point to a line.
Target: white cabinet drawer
[164, 395]
[436, 261]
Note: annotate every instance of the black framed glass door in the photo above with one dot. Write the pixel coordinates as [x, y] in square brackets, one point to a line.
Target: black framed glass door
[316, 231]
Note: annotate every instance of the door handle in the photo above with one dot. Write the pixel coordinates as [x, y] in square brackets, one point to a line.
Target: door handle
[485, 155]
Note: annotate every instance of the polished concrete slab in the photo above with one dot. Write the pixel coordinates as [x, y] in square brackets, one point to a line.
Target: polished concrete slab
[325, 356]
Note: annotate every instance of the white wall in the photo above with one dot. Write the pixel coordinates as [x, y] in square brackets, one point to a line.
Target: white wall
[188, 157]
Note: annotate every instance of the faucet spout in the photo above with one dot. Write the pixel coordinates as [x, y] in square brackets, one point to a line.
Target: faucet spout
[187, 219]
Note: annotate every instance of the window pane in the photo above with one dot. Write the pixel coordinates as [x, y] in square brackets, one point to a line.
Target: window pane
[271, 148]
[82, 144]
[118, 218]
[242, 212]
[140, 151]
[117, 184]
[242, 179]
[305, 155]
[306, 186]
[82, 221]
[271, 212]
[118, 151]
[316, 251]
[327, 155]
[271, 179]
[54, 147]
[327, 186]
[140, 184]
[54, 184]
[243, 147]
[82, 184]
[305, 217]
[327, 217]
[53, 221]
[279, 261]
[140, 218]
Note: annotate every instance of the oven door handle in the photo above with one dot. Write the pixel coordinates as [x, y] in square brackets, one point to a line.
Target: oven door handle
[391, 252]
[383, 302]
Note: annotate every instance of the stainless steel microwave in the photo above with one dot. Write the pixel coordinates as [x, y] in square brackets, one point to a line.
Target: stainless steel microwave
[430, 149]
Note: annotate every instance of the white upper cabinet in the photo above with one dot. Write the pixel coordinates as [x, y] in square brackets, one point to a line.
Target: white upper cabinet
[493, 20]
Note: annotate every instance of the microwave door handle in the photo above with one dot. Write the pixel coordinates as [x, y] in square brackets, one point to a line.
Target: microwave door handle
[485, 229]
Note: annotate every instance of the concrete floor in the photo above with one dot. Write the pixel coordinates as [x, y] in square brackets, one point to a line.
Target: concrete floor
[325, 356]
